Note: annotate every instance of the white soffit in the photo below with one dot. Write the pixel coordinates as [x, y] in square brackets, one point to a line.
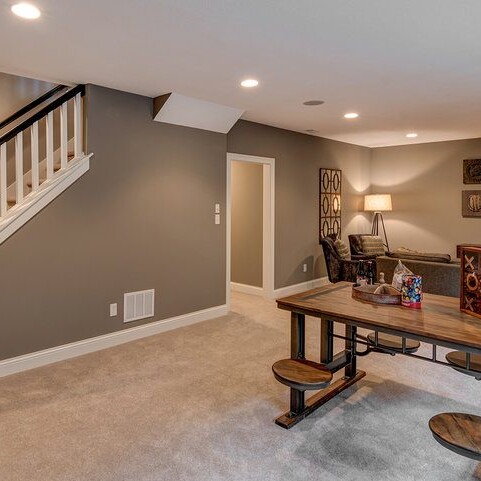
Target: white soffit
[190, 112]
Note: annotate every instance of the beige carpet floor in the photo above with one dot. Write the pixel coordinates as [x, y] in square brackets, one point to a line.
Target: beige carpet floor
[198, 404]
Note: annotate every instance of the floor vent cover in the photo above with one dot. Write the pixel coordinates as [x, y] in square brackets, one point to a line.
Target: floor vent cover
[138, 305]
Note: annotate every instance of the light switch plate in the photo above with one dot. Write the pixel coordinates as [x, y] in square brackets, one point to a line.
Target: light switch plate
[217, 208]
[217, 219]
[113, 310]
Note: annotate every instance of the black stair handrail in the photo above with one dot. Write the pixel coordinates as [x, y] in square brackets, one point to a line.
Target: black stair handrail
[31, 105]
[79, 89]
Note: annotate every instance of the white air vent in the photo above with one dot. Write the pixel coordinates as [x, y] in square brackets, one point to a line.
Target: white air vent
[138, 305]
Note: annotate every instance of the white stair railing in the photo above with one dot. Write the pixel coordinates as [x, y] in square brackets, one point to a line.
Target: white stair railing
[25, 184]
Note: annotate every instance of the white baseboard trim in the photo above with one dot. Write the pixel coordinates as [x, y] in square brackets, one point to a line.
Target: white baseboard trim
[303, 286]
[246, 289]
[74, 349]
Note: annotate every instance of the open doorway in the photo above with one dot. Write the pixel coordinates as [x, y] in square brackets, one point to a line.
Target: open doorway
[250, 224]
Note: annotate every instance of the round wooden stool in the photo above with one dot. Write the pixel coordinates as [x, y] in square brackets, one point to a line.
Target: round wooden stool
[458, 358]
[461, 433]
[302, 374]
[393, 342]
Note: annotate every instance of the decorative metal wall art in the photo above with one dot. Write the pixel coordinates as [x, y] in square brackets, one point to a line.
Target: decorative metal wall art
[330, 181]
[471, 203]
[470, 280]
[472, 171]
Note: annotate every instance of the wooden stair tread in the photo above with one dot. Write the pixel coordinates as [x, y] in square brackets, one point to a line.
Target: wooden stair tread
[302, 374]
[458, 358]
[390, 341]
[458, 432]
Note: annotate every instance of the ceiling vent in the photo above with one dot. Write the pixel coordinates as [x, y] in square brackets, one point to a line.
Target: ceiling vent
[190, 112]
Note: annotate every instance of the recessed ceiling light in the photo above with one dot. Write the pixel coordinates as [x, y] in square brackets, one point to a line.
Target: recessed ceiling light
[311, 131]
[351, 115]
[411, 135]
[249, 83]
[26, 10]
[311, 103]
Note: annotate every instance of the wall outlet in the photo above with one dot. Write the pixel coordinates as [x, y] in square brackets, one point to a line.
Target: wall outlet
[304, 267]
[113, 310]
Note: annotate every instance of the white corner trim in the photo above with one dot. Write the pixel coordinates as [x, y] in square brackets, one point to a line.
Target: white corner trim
[74, 349]
[246, 289]
[303, 286]
[19, 215]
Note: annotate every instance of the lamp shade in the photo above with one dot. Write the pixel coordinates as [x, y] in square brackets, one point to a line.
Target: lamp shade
[377, 202]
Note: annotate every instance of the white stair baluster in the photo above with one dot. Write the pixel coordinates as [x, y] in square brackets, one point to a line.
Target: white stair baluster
[63, 136]
[19, 167]
[78, 138]
[3, 179]
[35, 157]
[49, 135]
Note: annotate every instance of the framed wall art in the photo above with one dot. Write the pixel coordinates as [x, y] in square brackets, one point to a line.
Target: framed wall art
[330, 181]
[471, 203]
[472, 171]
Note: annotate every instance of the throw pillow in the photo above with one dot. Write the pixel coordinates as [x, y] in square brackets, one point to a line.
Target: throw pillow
[342, 249]
[372, 245]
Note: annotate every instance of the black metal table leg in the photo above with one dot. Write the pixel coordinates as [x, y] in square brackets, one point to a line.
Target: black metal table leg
[351, 368]
[327, 341]
[298, 351]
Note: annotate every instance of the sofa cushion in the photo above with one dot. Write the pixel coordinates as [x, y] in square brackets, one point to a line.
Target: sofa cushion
[404, 253]
[372, 245]
[342, 249]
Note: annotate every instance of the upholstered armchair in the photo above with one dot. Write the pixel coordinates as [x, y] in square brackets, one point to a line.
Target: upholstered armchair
[338, 269]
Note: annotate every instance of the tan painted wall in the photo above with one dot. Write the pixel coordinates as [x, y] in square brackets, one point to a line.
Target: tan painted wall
[246, 233]
[298, 158]
[426, 181]
[141, 218]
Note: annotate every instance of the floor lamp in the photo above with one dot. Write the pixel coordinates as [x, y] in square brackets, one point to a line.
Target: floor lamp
[378, 203]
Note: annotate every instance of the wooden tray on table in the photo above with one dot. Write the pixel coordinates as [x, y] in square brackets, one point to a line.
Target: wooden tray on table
[366, 293]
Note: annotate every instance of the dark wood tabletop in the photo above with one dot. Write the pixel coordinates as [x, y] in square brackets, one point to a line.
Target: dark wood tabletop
[439, 319]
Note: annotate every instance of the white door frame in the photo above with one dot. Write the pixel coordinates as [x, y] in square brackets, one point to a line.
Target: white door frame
[268, 220]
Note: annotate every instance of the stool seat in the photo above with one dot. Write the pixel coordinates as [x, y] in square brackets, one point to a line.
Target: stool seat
[458, 358]
[302, 374]
[393, 342]
[458, 432]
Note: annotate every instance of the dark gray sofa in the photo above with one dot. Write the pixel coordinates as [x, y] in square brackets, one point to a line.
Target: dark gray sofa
[438, 277]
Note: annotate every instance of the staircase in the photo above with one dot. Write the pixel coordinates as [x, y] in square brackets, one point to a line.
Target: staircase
[40, 156]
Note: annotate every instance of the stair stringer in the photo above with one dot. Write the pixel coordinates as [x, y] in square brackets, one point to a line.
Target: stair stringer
[34, 202]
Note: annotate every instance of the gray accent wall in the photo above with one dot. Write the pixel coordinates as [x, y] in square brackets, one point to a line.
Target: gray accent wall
[247, 223]
[426, 181]
[298, 158]
[141, 218]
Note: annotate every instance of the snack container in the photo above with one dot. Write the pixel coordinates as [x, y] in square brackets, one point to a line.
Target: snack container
[411, 291]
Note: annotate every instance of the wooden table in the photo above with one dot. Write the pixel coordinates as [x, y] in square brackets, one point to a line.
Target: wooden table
[439, 322]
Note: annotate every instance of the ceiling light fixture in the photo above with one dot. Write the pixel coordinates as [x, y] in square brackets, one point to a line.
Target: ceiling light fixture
[351, 115]
[311, 103]
[411, 135]
[249, 83]
[311, 131]
[26, 10]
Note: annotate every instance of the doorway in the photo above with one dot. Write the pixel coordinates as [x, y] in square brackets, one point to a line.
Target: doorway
[266, 166]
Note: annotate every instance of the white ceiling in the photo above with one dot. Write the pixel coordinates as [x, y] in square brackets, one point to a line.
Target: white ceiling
[404, 65]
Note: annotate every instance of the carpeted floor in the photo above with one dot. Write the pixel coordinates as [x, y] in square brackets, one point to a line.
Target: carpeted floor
[198, 404]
